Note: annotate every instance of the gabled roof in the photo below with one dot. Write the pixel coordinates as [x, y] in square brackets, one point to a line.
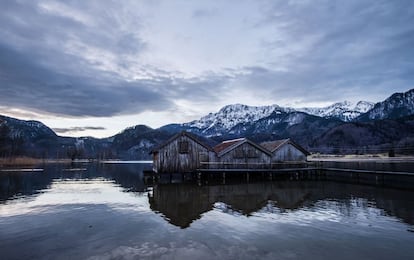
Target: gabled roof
[226, 146]
[273, 146]
[182, 133]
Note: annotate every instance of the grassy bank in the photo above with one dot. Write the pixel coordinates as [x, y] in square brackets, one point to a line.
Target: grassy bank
[28, 161]
[20, 161]
[363, 157]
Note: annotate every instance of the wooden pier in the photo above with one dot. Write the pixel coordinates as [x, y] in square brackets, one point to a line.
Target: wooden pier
[367, 171]
[395, 179]
[257, 170]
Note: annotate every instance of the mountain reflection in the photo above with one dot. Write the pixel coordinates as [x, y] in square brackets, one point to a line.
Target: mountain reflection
[182, 204]
[12, 184]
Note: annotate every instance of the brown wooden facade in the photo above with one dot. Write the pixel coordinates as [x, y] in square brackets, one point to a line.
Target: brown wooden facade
[181, 153]
[285, 151]
[184, 152]
[240, 154]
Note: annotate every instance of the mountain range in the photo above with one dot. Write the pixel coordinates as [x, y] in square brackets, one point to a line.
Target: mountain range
[236, 119]
[343, 127]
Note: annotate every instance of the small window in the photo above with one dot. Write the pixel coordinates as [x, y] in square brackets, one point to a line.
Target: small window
[183, 147]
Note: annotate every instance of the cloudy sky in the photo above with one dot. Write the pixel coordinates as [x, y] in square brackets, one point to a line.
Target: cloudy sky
[97, 67]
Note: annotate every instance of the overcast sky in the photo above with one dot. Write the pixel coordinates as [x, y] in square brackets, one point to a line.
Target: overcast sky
[97, 67]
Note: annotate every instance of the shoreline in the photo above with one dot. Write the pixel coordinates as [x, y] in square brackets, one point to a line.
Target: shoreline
[380, 158]
[29, 161]
[359, 158]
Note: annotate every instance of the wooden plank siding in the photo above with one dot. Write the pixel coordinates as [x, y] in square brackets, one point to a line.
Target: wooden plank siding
[285, 151]
[181, 154]
[243, 154]
[184, 152]
[288, 152]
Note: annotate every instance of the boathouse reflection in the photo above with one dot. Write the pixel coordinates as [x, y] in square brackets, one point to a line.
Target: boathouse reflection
[182, 204]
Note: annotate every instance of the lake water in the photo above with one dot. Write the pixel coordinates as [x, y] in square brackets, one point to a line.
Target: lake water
[106, 211]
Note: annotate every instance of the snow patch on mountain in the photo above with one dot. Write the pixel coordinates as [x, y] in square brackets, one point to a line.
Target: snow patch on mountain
[346, 110]
[28, 129]
[294, 118]
[397, 105]
[232, 115]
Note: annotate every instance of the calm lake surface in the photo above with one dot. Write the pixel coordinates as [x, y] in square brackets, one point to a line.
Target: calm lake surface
[106, 211]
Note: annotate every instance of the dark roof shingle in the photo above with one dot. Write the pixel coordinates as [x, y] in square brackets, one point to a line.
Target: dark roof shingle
[277, 144]
[225, 144]
[273, 145]
[194, 137]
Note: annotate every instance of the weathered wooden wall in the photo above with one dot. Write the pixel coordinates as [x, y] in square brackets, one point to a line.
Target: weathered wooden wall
[245, 156]
[288, 152]
[170, 160]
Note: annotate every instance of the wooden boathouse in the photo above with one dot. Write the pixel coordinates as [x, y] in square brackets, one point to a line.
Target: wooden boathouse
[286, 151]
[185, 152]
[182, 153]
[240, 154]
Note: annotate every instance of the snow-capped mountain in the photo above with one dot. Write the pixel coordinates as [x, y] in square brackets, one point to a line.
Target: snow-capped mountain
[232, 115]
[25, 129]
[322, 128]
[240, 115]
[396, 106]
[345, 111]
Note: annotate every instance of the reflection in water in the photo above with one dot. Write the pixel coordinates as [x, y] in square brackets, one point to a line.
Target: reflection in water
[181, 204]
[107, 212]
[73, 192]
[12, 184]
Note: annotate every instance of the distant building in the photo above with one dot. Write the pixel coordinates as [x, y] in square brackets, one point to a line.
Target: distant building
[285, 150]
[240, 153]
[183, 152]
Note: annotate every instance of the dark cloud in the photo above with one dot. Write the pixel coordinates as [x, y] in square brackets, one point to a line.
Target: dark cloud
[27, 84]
[349, 48]
[41, 69]
[37, 72]
[77, 129]
[79, 58]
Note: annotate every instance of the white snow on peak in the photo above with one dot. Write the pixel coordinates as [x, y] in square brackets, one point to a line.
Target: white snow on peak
[345, 110]
[363, 106]
[231, 115]
[404, 102]
[294, 118]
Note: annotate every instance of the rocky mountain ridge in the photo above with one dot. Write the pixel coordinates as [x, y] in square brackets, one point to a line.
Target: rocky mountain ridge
[396, 106]
[318, 129]
[232, 115]
[345, 111]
